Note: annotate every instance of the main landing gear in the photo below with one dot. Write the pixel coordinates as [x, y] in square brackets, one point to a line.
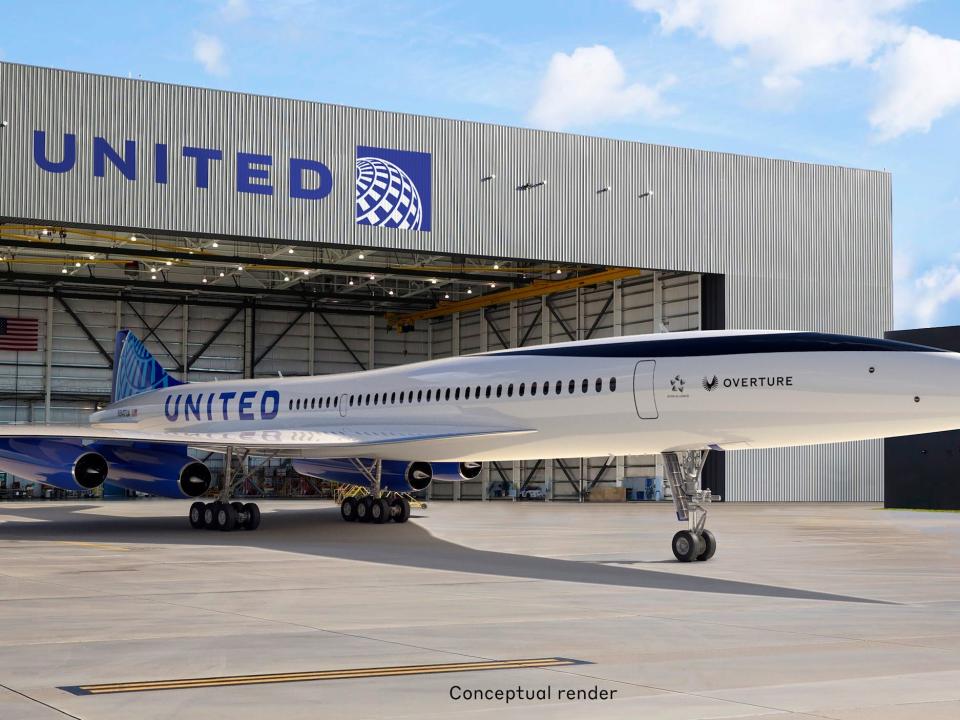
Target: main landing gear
[378, 506]
[377, 510]
[223, 514]
[684, 471]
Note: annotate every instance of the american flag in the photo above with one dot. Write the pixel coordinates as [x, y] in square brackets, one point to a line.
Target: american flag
[19, 333]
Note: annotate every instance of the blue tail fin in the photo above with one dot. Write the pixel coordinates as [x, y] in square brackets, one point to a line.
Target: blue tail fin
[135, 370]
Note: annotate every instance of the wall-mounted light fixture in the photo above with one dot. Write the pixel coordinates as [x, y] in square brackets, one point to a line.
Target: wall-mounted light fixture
[605, 188]
[530, 185]
[646, 193]
[487, 178]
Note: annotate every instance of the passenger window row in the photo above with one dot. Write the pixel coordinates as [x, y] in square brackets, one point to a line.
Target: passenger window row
[478, 392]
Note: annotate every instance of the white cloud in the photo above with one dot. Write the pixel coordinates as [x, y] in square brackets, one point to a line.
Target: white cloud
[919, 300]
[922, 83]
[234, 10]
[790, 36]
[209, 52]
[921, 71]
[590, 86]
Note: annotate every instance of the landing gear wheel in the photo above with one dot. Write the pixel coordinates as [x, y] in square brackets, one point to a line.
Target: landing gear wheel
[364, 509]
[210, 515]
[252, 511]
[686, 546]
[238, 506]
[401, 509]
[226, 517]
[348, 509]
[196, 515]
[380, 511]
[710, 545]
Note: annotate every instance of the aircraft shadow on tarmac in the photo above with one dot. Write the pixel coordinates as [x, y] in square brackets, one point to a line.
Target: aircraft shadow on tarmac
[321, 532]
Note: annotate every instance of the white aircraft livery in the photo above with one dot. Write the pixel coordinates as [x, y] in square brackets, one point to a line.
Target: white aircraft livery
[396, 430]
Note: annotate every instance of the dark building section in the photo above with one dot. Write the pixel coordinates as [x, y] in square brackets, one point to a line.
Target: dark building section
[713, 301]
[923, 471]
[715, 474]
[713, 304]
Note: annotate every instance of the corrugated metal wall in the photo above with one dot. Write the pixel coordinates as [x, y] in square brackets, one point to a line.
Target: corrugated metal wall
[801, 245]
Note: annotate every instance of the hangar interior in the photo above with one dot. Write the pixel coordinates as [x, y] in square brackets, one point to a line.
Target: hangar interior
[223, 308]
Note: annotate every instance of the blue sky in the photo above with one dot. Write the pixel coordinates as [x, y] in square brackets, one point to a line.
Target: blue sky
[865, 83]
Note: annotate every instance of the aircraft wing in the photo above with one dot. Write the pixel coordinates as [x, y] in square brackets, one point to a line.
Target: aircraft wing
[351, 440]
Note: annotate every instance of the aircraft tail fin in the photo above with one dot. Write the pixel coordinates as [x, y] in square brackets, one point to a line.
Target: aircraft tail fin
[135, 370]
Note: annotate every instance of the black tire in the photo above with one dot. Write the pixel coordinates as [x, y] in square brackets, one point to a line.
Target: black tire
[709, 545]
[238, 506]
[686, 546]
[210, 516]
[348, 509]
[380, 511]
[253, 516]
[364, 505]
[196, 516]
[401, 510]
[226, 517]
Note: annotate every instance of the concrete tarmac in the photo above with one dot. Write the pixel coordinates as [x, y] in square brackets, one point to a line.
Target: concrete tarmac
[828, 611]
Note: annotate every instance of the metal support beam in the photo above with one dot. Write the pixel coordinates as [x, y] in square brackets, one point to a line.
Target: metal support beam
[213, 338]
[537, 288]
[570, 479]
[251, 340]
[86, 331]
[184, 338]
[312, 343]
[496, 466]
[658, 325]
[455, 335]
[342, 342]
[563, 324]
[607, 464]
[278, 338]
[599, 317]
[371, 344]
[531, 326]
[529, 477]
[48, 362]
[496, 331]
[153, 330]
[253, 260]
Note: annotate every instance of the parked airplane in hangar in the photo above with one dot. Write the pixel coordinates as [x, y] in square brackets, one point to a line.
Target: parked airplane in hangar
[398, 429]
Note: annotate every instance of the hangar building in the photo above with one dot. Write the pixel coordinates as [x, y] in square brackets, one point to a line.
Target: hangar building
[245, 236]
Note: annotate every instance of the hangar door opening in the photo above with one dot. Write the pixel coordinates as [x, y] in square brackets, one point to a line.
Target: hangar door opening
[224, 308]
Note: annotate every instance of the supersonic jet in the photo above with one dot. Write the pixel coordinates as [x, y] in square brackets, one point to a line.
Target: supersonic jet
[396, 430]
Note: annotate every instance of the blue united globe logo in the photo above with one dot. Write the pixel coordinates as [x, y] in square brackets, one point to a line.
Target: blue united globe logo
[386, 196]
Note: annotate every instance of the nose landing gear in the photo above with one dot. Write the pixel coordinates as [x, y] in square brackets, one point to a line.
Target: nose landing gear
[684, 471]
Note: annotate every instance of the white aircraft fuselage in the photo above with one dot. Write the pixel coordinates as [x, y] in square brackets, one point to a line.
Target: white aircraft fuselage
[619, 396]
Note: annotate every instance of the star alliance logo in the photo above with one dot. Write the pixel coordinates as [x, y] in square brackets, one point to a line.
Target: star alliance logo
[711, 384]
[393, 188]
[677, 383]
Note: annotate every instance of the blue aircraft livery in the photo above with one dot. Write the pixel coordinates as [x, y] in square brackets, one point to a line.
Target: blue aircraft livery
[393, 188]
[223, 405]
[135, 370]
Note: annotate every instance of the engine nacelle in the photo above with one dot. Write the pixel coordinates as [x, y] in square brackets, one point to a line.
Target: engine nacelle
[456, 471]
[156, 469]
[396, 475]
[64, 464]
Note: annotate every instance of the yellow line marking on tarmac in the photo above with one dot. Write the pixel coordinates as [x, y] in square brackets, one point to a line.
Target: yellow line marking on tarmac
[98, 546]
[344, 674]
